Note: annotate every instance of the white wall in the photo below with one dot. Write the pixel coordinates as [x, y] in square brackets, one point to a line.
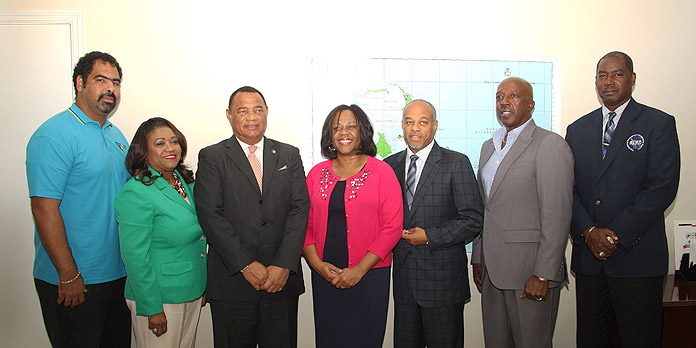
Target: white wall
[182, 59]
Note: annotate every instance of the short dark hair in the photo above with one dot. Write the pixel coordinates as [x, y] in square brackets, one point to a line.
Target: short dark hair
[85, 65]
[136, 159]
[248, 89]
[618, 54]
[367, 144]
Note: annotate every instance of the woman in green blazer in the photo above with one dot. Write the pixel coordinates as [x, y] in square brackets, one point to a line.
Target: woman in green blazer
[162, 244]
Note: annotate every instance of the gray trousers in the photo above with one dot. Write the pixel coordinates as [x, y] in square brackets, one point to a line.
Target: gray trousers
[509, 321]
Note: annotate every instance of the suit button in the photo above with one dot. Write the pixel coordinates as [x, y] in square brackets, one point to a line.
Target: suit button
[261, 201]
[409, 251]
[597, 202]
[264, 223]
[203, 238]
[202, 255]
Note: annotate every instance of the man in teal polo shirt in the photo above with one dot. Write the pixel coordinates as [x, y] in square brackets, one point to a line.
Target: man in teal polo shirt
[75, 167]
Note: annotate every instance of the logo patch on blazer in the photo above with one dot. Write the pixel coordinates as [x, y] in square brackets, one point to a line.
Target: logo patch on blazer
[635, 142]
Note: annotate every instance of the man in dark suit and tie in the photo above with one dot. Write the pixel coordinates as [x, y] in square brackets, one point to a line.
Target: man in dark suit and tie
[626, 175]
[442, 212]
[526, 178]
[253, 205]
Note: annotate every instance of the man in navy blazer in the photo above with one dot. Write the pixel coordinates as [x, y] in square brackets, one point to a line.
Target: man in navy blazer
[252, 203]
[444, 212]
[626, 175]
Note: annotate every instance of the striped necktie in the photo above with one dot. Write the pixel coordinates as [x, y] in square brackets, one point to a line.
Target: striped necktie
[608, 132]
[411, 181]
[255, 166]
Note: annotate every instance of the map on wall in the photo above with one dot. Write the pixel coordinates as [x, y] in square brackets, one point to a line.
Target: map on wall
[462, 91]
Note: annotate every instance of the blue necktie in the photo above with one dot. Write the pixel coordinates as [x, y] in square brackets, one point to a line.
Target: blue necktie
[411, 181]
[608, 132]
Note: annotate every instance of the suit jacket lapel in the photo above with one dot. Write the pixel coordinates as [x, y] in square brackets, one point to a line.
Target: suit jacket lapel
[236, 154]
[270, 161]
[486, 152]
[522, 142]
[169, 192]
[594, 140]
[623, 129]
[430, 169]
[400, 171]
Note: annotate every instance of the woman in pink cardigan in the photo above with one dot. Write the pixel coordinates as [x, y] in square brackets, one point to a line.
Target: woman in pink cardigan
[355, 219]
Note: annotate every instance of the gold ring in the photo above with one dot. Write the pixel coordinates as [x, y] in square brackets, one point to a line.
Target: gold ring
[601, 254]
[539, 299]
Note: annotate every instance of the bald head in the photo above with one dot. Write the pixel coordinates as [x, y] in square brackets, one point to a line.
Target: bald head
[514, 102]
[522, 83]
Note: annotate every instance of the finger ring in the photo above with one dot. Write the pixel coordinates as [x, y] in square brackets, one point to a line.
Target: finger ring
[601, 254]
[281, 289]
[610, 240]
[540, 299]
[154, 330]
[343, 287]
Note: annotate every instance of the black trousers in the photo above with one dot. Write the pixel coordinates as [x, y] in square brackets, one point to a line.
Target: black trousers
[103, 320]
[270, 323]
[633, 305]
[434, 327]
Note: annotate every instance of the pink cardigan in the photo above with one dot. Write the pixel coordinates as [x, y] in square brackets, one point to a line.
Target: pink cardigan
[374, 210]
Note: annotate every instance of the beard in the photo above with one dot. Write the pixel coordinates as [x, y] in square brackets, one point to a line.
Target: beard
[106, 107]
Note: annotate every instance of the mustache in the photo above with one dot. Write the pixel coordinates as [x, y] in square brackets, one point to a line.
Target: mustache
[107, 94]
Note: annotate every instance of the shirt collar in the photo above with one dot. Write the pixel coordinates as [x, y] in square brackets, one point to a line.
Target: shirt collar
[83, 118]
[512, 135]
[618, 111]
[422, 153]
[245, 146]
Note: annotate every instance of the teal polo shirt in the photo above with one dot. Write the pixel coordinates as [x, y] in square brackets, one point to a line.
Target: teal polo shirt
[72, 158]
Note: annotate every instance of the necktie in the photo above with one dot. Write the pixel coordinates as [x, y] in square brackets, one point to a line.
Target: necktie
[411, 181]
[608, 132]
[255, 166]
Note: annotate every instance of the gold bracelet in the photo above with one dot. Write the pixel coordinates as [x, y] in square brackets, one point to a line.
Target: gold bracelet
[244, 269]
[71, 280]
[590, 231]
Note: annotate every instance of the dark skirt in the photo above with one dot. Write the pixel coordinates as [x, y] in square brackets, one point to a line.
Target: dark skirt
[351, 318]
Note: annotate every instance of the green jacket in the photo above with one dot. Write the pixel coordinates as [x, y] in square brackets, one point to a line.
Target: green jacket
[162, 245]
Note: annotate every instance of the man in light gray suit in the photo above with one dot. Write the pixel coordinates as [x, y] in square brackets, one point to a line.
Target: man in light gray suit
[526, 176]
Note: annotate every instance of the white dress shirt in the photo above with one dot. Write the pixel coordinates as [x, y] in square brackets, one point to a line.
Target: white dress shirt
[420, 162]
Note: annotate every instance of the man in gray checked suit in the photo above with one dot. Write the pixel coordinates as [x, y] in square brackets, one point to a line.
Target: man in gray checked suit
[526, 176]
[442, 212]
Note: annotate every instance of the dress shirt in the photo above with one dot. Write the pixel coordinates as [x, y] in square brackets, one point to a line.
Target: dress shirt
[491, 167]
[605, 115]
[420, 162]
[258, 152]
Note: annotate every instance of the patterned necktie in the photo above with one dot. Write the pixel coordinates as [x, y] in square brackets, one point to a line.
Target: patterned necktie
[411, 181]
[255, 166]
[608, 132]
